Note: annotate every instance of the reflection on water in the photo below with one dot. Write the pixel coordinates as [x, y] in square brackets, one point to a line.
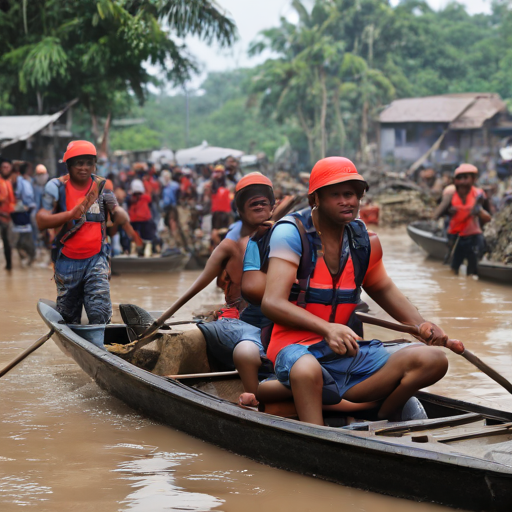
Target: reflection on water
[67, 445]
[152, 477]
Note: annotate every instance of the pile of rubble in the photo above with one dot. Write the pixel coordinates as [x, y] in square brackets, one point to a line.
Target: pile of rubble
[498, 236]
[403, 207]
[400, 200]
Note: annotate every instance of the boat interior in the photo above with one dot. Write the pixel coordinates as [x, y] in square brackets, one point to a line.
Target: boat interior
[452, 426]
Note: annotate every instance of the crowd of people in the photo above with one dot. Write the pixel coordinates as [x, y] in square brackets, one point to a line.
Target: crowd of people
[169, 207]
[21, 193]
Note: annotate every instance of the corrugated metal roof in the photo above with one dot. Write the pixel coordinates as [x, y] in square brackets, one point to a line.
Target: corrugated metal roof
[16, 128]
[445, 109]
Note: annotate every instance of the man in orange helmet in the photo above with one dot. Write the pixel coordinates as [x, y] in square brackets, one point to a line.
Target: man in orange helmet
[468, 208]
[318, 261]
[77, 206]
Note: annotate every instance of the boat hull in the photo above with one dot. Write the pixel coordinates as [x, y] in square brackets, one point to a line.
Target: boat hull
[436, 247]
[331, 454]
[133, 264]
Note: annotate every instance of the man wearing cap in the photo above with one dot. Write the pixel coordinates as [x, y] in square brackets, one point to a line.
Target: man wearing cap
[7, 203]
[231, 341]
[318, 260]
[468, 208]
[77, 206]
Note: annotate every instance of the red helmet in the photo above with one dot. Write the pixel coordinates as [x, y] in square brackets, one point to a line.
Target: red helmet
[79, 148]
[332, 170]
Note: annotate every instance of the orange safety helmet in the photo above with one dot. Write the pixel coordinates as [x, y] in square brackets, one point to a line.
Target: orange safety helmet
[466, 169]
[79, 148]
[251, 179]
[332, 170]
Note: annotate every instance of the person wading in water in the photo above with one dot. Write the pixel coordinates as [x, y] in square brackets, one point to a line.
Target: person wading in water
[468, 208]
[316, 345]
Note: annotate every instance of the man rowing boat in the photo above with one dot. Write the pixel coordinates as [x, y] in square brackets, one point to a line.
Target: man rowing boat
[318, 261]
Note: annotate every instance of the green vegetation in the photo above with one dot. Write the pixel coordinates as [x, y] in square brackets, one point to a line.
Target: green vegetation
[346, 59]
[219, 113]
[96, 50]
[332, 72]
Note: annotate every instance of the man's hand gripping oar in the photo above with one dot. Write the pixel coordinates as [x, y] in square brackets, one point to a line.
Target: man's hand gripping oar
[454, 345]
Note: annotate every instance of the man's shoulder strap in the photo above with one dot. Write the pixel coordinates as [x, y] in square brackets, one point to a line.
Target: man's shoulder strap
[360, 248]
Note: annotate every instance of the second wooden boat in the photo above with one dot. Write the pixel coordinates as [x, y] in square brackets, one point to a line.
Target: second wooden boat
[132, 264]
[435, 245]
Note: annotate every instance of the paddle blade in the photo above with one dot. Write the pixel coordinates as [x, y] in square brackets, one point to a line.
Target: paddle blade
[133, 315]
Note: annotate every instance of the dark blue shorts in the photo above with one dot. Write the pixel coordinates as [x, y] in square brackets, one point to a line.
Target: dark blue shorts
[340, 373]
[223, 335]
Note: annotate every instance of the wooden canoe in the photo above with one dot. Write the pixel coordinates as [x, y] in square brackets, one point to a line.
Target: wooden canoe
[435, 246]
[460, 457]
[133, 264]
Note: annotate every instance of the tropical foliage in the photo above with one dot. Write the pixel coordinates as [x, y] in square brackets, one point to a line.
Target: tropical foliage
[345, 59]
[98, 50]
[218, 113]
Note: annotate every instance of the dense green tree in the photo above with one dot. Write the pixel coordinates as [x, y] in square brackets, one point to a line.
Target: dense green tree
[344, 60]
[219, 112]
[95, 50]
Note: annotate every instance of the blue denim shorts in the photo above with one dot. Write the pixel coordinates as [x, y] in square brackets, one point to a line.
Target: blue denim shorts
[339, 373]
[85, 283]
[223, 335]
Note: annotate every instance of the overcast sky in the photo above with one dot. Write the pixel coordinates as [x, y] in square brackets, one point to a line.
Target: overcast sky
[252, 16]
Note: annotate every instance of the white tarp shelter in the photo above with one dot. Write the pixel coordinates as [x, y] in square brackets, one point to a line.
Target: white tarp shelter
[162, 156]
[205, 154]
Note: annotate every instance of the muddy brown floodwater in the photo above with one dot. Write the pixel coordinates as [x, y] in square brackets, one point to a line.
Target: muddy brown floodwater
[67, 445]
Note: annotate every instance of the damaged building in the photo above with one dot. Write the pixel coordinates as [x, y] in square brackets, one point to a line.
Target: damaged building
[36, 138]
[448, 129]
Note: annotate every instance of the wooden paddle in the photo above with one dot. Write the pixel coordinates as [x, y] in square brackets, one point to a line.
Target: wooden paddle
[27, 352]
[454, 345]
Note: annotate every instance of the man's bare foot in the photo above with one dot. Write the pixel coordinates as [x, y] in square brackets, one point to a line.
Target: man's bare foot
[248, 399]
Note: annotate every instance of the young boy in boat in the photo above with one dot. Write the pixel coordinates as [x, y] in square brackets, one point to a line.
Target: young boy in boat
[79, 204]
[317, 263]
[230, 340]
[468, 209]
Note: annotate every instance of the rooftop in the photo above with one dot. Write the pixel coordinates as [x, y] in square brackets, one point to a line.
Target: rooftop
[463, 111]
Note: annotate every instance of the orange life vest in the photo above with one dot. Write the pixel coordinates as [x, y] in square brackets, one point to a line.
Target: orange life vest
[332, 298]
[462, 222]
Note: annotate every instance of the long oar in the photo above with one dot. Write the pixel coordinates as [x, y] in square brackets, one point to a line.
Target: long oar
[27, 352]
[454, 345]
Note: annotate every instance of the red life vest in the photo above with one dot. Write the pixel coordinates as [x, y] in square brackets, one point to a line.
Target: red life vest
[462, 222]
[221, 200]
[332, 298]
